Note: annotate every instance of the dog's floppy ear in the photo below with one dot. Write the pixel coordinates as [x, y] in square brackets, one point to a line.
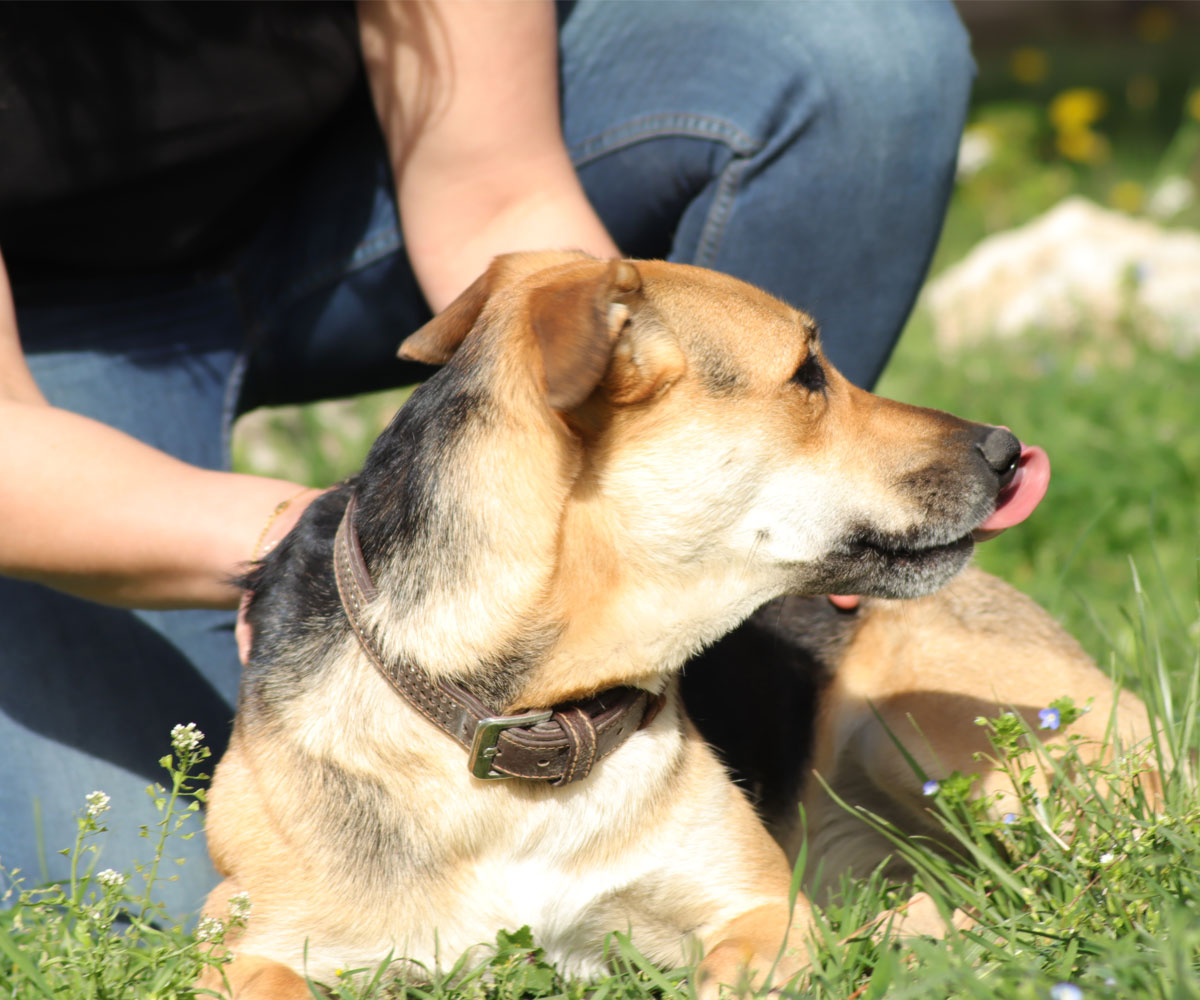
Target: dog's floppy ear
[576, 318]
[436, 342]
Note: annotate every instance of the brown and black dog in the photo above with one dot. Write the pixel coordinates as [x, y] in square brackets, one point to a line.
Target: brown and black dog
[618, 463]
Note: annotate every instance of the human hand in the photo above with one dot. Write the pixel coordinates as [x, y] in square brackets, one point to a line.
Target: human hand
[281, 521]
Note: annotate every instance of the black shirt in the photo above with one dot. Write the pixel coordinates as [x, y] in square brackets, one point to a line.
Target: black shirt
[141, 136]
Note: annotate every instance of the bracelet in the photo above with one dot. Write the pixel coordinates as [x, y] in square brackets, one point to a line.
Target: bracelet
[259, 551]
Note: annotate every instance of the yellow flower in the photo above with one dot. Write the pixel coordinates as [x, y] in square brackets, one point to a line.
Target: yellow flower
[1193, 104]
[1082, 145]
[1154, 23]
[1141, 92]
[1077, 108]
[1029, 65]
[1127, 196]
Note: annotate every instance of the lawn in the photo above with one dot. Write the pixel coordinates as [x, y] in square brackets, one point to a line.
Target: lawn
[1089, 892]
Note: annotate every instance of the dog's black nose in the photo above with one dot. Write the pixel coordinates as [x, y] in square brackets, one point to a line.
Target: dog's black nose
[1000, 449]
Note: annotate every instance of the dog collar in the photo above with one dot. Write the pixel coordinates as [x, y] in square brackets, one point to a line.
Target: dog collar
[559, 744]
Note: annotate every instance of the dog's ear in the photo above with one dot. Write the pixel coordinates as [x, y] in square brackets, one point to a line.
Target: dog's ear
[436, 342]
[577, 318]
[646, 360]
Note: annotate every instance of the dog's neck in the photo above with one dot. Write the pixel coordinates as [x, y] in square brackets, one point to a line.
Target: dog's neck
[534, 604]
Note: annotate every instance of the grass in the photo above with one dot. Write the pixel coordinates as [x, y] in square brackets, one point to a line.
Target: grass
[1089, 892]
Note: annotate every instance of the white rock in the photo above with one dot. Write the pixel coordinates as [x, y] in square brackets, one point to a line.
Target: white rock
[1078, 267]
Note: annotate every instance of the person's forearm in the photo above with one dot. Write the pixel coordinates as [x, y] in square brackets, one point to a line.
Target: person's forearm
[467, 95]
[93, 512]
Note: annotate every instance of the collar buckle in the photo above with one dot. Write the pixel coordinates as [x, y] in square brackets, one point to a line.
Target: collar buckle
[487, 736]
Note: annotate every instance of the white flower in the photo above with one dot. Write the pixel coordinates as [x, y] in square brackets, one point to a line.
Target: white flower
[209, 929]
[1107, 858]
[185, 739]
[1171, 197]
[974, 152]
[239, 905]
[97, 803]
[111, 878]
[1065, 991]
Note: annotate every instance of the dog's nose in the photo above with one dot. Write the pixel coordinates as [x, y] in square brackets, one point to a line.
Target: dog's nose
[1000, 449]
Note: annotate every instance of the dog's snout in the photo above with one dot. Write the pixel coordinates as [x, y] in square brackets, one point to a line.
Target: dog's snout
[1000, 449]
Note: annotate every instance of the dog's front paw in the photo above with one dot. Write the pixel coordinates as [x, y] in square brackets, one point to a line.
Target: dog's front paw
[752, 954]
[919, 917]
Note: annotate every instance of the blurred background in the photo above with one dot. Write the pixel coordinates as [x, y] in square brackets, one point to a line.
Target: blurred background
[1064, 302]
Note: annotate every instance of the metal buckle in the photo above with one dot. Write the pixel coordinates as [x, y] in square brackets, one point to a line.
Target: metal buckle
[487, 734]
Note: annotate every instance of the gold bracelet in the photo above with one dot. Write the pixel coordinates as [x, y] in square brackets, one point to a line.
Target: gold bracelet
[258, 551]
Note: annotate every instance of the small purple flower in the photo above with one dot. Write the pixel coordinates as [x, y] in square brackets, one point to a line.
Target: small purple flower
[1009, 818]
[1065, 991]
[930, 788]
[1049, 718]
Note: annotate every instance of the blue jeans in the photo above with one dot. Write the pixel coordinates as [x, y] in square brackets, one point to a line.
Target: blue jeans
[806, 148]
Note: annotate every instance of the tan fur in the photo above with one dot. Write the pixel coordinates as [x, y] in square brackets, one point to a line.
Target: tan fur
[925, 670]
[631, 511]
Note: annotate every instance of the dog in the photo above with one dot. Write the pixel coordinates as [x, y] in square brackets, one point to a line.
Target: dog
[462, 710]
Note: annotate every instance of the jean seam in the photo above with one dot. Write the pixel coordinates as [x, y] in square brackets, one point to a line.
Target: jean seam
[719, 212]
[656, 126]
[369, 251]
[366, 253]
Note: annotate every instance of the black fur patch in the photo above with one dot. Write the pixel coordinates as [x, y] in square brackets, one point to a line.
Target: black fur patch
[810, 375]
[754, 694]
[295, 613]
[403, 507]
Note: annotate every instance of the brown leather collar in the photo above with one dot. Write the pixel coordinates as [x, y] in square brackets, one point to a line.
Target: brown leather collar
[559, 744]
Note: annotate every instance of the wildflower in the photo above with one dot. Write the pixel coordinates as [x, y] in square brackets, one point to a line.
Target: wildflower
[185, 739]
[110, 878]
[1127, 196]
[239, 905]
[1077, 108]
[209, 929]
[974, 152]
[1065, 991]
[1107, 858]
[1029, 65]
[1170, 197]
[929, 788]
[97, 803]
[1009, 818]
[1082, 145]
[1049, 718]
[1141, 92]
[1154, 23]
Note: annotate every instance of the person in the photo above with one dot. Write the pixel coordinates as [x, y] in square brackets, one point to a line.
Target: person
[207, 208]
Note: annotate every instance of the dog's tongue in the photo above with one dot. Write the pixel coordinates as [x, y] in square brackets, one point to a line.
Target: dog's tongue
[1018, 499]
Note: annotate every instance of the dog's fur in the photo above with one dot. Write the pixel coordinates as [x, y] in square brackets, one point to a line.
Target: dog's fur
[618, 463]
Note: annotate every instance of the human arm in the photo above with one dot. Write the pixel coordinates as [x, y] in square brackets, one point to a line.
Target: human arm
[467, 95]
[94, 512]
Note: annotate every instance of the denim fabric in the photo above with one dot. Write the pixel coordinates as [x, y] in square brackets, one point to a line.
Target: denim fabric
[807, 148]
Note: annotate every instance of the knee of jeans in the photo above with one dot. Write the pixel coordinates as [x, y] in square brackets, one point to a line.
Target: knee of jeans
[910, 74]
[890, 77]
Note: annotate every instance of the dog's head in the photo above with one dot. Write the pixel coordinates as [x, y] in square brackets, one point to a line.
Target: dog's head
[652, 450]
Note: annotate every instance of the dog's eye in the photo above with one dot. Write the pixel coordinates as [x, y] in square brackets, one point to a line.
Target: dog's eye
[810, 375]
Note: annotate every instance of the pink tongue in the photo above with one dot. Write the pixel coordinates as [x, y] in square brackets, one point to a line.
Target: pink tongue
[1018, 499]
